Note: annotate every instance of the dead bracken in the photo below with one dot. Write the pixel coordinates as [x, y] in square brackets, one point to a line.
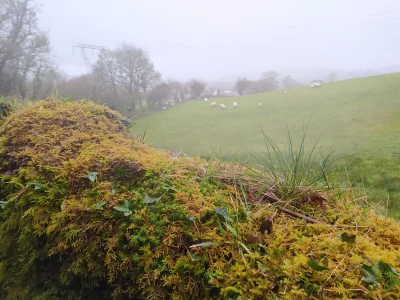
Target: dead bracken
[87, 212]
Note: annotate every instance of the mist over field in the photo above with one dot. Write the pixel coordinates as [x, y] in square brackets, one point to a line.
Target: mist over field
[199, 149]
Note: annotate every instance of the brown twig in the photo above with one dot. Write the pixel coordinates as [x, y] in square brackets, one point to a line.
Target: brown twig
[300, 216]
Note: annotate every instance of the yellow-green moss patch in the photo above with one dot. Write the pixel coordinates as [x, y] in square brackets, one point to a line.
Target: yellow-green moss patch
[87, 212]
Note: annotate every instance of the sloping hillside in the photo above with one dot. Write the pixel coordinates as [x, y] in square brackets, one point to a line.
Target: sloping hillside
[362, 115]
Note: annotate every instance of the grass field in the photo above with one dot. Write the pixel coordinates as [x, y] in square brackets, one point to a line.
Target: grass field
[360, 116]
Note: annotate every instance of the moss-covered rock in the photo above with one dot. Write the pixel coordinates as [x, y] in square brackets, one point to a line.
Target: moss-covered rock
[86, 212]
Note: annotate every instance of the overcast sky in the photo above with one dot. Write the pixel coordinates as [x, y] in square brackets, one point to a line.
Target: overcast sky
[213, 39]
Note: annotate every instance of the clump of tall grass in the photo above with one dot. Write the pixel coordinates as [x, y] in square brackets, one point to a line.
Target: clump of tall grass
[291, 171]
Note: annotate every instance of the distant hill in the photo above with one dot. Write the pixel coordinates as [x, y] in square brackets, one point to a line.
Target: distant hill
[308, 74]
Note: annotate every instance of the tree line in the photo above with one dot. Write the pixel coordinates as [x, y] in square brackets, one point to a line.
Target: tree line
[124, 78]
[268, 82]
[26, 68]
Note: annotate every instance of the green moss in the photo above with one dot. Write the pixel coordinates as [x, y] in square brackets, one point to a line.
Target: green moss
[66, 236]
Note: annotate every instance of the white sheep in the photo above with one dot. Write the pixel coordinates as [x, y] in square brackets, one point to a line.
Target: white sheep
[316, 84]
[164, 107]
[235, 105]
[259, 104]
[206, 99]
[213, 104]
[172, 104]
[222, 106]
[285, 92]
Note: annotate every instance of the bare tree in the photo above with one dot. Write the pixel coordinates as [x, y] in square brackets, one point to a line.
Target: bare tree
[129, 71]
[270, 81]
[196, 88]
[22, 45]
[46, 80]
[177, 89]
[242, 85]
[104, 73]
[158, 95]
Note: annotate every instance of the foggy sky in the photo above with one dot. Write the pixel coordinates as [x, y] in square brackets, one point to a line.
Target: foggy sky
[212, 39]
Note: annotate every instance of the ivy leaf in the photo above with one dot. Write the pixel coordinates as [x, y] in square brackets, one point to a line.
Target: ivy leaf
[38, 186]
[370, 275]
[385, 268]
[348, 238]
[125, 207]
[389, 274]
[149, 200]
[223, 211]
[91, 176]
[206, 244]
[315, 266]
[126, 211]
[98, 206]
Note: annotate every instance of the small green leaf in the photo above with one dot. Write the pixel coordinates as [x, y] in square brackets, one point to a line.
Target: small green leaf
[2, 204]
[193, 256]
[385, 268]
[223, 211]
[393, 285]
[348, 238]
[125, 207]
[278, 252]
[193, 219]
[126, 211]
[389, 274]
[91, 176]
[38, 186]
[370, 275]
[206, 244]
[98, 206]
[232, 230]
[149, 200]
[315, 266]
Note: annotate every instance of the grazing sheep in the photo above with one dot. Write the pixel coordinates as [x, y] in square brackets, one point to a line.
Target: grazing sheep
[206, 99]
[172, 104]
[312, 85]
[164, 107]
[259, 104]
[213, 104]
[235, 105]
[222, 106]
[285, 92]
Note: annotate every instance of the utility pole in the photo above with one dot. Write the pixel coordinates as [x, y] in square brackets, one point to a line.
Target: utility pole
[82, 48]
